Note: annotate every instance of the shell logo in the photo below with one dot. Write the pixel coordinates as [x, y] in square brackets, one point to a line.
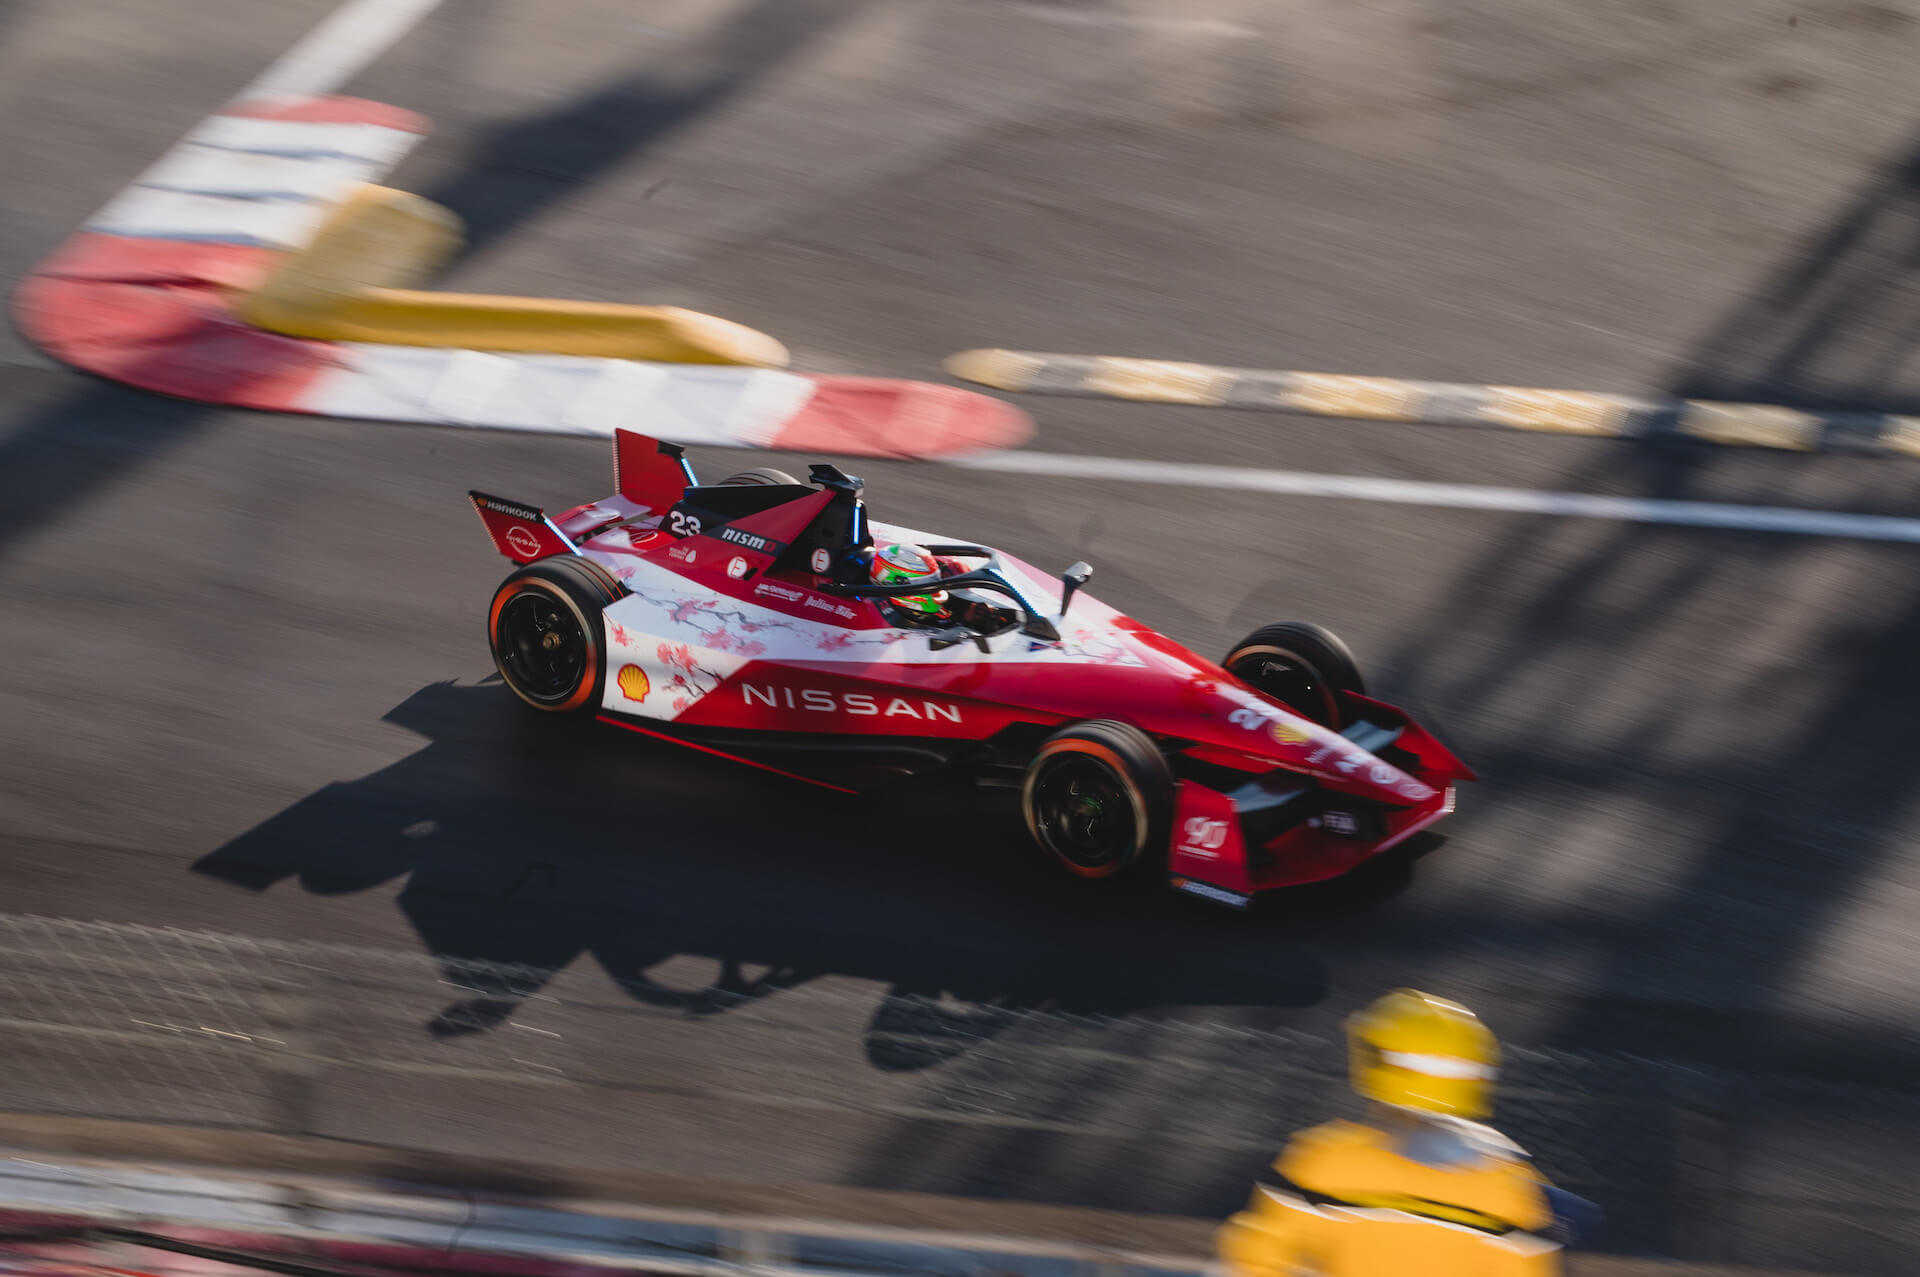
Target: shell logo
[1288, 734]
[633, 682]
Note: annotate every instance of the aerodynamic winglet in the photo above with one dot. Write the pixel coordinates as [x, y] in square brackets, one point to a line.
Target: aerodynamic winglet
[521, 532]
[648, 471]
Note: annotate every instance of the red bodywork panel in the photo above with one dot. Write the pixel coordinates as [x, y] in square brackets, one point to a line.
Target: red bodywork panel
[1210, 856]
[648, 472]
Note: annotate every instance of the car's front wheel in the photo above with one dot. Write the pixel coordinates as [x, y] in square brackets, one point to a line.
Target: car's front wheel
[1303, 666]
[1098, 797]
[546, 633]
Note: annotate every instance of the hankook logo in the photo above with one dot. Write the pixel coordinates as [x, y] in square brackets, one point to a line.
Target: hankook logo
[511, 510]
[859, 704]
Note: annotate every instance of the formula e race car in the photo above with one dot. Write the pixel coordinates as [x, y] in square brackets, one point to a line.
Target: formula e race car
[742, 618]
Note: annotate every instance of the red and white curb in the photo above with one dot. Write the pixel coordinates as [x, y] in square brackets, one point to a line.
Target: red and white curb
[143, 295]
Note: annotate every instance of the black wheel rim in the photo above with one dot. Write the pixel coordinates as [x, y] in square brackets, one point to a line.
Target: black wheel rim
[1083, 812]
[1291, 680]
[541, 645]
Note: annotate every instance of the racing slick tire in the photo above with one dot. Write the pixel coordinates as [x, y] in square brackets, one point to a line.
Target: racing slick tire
[759, 477]
[546, 633]
[1098, 796]
[1303, 666]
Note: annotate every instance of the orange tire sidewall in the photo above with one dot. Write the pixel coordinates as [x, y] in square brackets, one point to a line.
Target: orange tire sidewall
[589, 678]
[1114, 764]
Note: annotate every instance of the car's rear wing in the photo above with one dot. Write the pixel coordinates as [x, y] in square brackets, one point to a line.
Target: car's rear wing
[650, 472]
[521, 532]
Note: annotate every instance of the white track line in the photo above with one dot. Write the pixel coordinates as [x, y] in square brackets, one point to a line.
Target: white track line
[339, 48]
[1293, 483]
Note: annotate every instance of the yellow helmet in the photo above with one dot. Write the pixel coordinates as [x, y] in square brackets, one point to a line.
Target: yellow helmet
[1417, 1051]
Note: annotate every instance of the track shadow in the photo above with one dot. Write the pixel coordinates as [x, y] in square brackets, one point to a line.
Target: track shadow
[1762, 777]
[1562, 634]
[1557, 653]
[519, 169]
[1752, 787]
[1837, 327]
[518, 839]
[1733, 805]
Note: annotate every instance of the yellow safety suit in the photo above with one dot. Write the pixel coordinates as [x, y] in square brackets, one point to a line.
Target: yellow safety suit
[1347, 1202]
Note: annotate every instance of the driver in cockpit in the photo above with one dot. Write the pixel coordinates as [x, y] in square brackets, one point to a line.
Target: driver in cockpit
[899, 562]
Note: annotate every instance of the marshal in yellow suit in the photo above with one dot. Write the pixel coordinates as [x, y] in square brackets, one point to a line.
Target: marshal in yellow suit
[1422, 1190]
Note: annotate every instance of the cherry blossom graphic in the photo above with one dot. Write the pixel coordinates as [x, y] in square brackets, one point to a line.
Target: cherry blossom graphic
[1107, 653]
[619, 633]
[698, 613]
[721, 640]
[844, 640]
[686, 609]
[747, 624]
[692, 678]
[1100, 649]
[710, 625]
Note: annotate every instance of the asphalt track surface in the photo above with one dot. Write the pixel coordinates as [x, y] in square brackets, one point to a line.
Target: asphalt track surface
[247, 691]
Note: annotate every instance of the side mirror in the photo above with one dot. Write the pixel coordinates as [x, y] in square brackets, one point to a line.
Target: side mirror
[945, 639]
[1070, 582]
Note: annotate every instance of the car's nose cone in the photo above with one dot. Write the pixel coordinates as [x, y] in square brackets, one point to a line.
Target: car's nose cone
[1261, 727]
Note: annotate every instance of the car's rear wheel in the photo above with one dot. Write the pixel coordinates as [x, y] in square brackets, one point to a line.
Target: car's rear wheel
[546, 632]
[1303, 666]
[1098, 796]
[759, 477]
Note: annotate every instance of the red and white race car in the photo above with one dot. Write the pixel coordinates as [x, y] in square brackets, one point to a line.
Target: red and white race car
[741, 618]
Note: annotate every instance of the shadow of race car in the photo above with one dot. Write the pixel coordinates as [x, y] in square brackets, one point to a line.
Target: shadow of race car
[742, 619]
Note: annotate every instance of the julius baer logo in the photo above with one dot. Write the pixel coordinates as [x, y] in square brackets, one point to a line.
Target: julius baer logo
[786, 593]
[818, 700]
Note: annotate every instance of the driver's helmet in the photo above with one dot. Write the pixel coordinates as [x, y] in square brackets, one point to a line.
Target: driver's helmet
[893, 564]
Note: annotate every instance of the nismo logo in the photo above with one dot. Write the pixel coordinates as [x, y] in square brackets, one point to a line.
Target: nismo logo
[752, 540]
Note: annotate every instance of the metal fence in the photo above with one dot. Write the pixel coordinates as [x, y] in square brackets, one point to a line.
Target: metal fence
[132, 1021]
[454, 1055]
[158, 1024]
